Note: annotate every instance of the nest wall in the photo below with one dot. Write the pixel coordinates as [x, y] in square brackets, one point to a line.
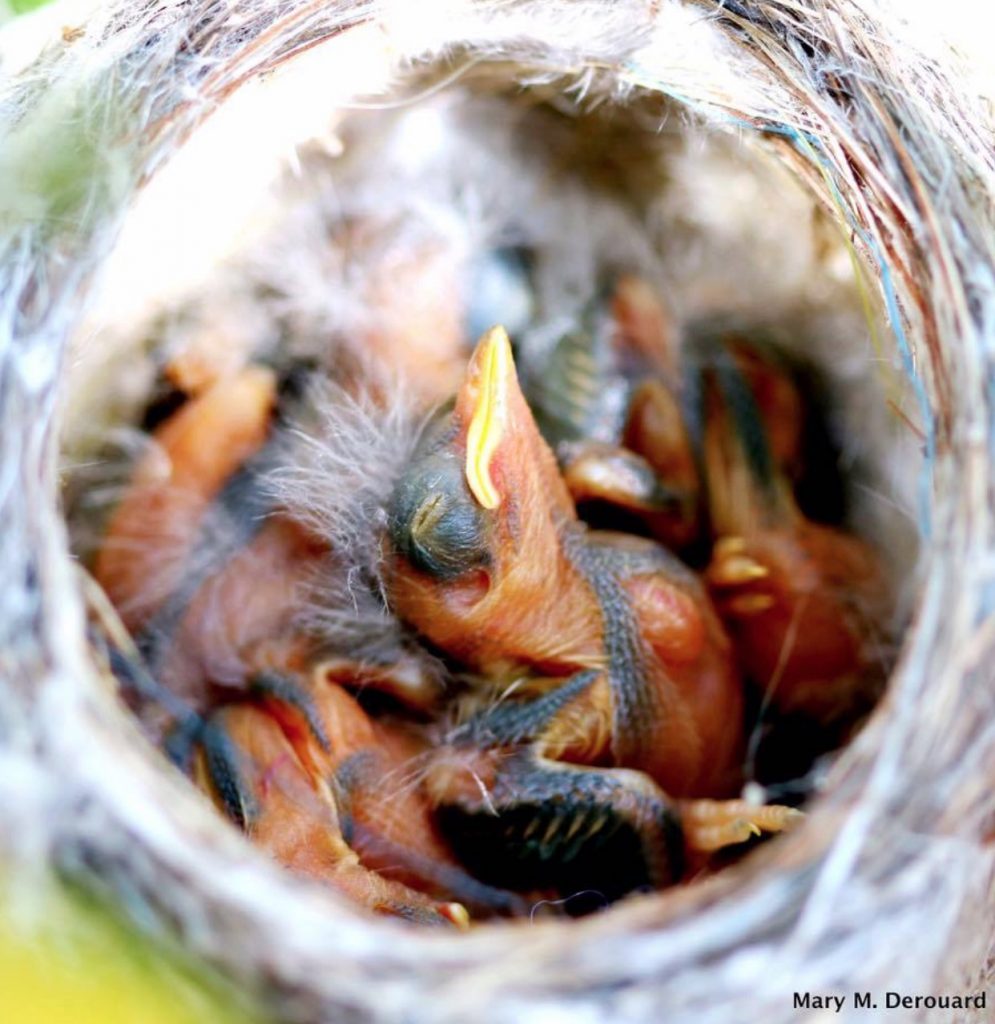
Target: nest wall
[878, 132]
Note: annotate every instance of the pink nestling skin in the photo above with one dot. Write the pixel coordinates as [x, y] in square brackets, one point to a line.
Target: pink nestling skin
[482, 561]
[806, 630]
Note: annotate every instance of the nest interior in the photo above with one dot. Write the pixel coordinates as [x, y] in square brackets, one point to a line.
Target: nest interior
[576, 149]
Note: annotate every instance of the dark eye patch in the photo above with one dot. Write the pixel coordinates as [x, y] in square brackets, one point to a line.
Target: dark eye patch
[434, 521]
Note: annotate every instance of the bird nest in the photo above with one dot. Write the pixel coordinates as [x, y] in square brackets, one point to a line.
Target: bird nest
[822, 173]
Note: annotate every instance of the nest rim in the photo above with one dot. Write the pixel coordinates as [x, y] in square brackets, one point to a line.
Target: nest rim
[736, 893]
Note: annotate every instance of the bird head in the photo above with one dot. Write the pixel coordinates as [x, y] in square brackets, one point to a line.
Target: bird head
[475, 521]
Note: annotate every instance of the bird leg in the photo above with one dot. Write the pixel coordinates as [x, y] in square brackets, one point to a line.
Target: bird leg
[249, 767]
[711, 825]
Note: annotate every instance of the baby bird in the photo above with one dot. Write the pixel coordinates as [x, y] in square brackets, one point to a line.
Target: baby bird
[805, 603]
[336, 796]
[607, 399]
[211, 578]
[616, 693]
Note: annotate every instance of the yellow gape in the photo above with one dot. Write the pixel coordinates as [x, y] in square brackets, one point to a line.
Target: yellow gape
[495, 363]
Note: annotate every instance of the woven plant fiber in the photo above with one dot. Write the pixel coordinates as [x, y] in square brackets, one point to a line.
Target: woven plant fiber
[856, 113]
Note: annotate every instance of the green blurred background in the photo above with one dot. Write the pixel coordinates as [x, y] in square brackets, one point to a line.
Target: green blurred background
[65, 958]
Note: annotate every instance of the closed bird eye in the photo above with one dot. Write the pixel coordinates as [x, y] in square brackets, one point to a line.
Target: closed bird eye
[434, 521]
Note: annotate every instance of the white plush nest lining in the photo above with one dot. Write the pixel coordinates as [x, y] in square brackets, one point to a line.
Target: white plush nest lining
[889, 884]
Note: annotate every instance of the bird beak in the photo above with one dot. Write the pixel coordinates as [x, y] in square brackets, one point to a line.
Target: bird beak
[486, 403]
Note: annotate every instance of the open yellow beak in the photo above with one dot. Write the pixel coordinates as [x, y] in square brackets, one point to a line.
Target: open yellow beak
[493, 363]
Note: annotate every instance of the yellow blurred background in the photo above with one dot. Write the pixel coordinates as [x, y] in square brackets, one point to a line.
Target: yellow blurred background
[66, 959]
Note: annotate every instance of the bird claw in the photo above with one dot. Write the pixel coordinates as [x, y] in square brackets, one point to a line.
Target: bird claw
[711, 825]
[735, 570]
[732, 576]
[747, 605]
